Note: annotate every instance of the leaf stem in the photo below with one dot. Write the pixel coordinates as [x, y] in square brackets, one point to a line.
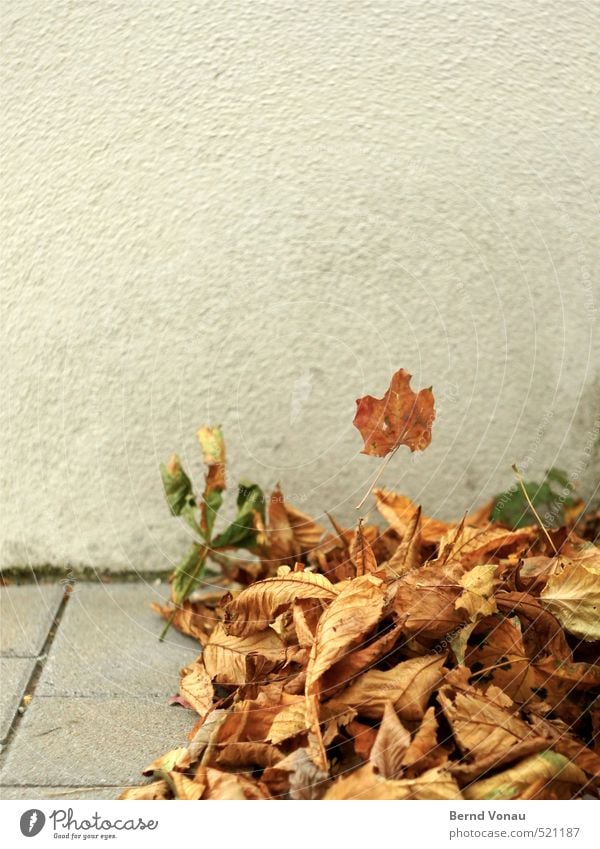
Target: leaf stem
[377, 476]
[519, 478]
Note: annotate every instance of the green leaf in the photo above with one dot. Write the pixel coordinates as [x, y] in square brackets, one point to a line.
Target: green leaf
[560, 477]
[179, 493]
[241, 533]
[188, 574]
[511, 507]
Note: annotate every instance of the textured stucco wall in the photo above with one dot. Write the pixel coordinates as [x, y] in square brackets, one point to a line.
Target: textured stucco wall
[252, 213]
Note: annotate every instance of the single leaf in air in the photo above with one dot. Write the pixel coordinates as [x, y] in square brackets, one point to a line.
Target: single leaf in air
[401, 417]
[573, 596]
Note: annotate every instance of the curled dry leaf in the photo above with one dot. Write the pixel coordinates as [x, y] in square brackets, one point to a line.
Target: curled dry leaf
[361, 553]
[347, 620]
[258, 605]
[225, 655]
[486, 726]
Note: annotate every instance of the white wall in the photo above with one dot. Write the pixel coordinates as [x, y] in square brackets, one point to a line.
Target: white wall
[252, 213]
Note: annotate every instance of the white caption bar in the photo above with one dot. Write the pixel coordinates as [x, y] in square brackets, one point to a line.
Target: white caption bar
[256, 825]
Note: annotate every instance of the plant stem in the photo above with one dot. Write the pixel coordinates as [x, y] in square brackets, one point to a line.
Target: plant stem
[194, 574]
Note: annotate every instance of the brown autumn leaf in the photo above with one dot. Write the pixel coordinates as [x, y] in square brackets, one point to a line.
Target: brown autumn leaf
[408, 685]
[391, 744]
[291, 533]
[473, 546]
[361, 553]
[190, 789]
[486, 726]
[231, 786]
[362, 658]
[427, 612]
[155, 791]
[342, 627]
[225, 655]
[424, 751]
[196, 687]
[407, 556]
[347, 620]
[196, 619]
[400, 512]
[542, 633]
[498, 656]
[297, 775]
[401, 417]
[258, 605]
[364, 783]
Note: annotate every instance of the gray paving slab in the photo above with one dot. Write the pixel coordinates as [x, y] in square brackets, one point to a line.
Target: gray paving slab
[60, 793]
[84, 741]
[26, 614]
[107, 644]
[15, 672]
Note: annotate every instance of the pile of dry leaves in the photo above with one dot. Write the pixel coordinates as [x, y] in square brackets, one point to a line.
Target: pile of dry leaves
[425, 660]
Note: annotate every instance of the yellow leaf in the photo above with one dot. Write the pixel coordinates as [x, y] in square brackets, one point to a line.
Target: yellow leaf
[477, 597]
[573, 596]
